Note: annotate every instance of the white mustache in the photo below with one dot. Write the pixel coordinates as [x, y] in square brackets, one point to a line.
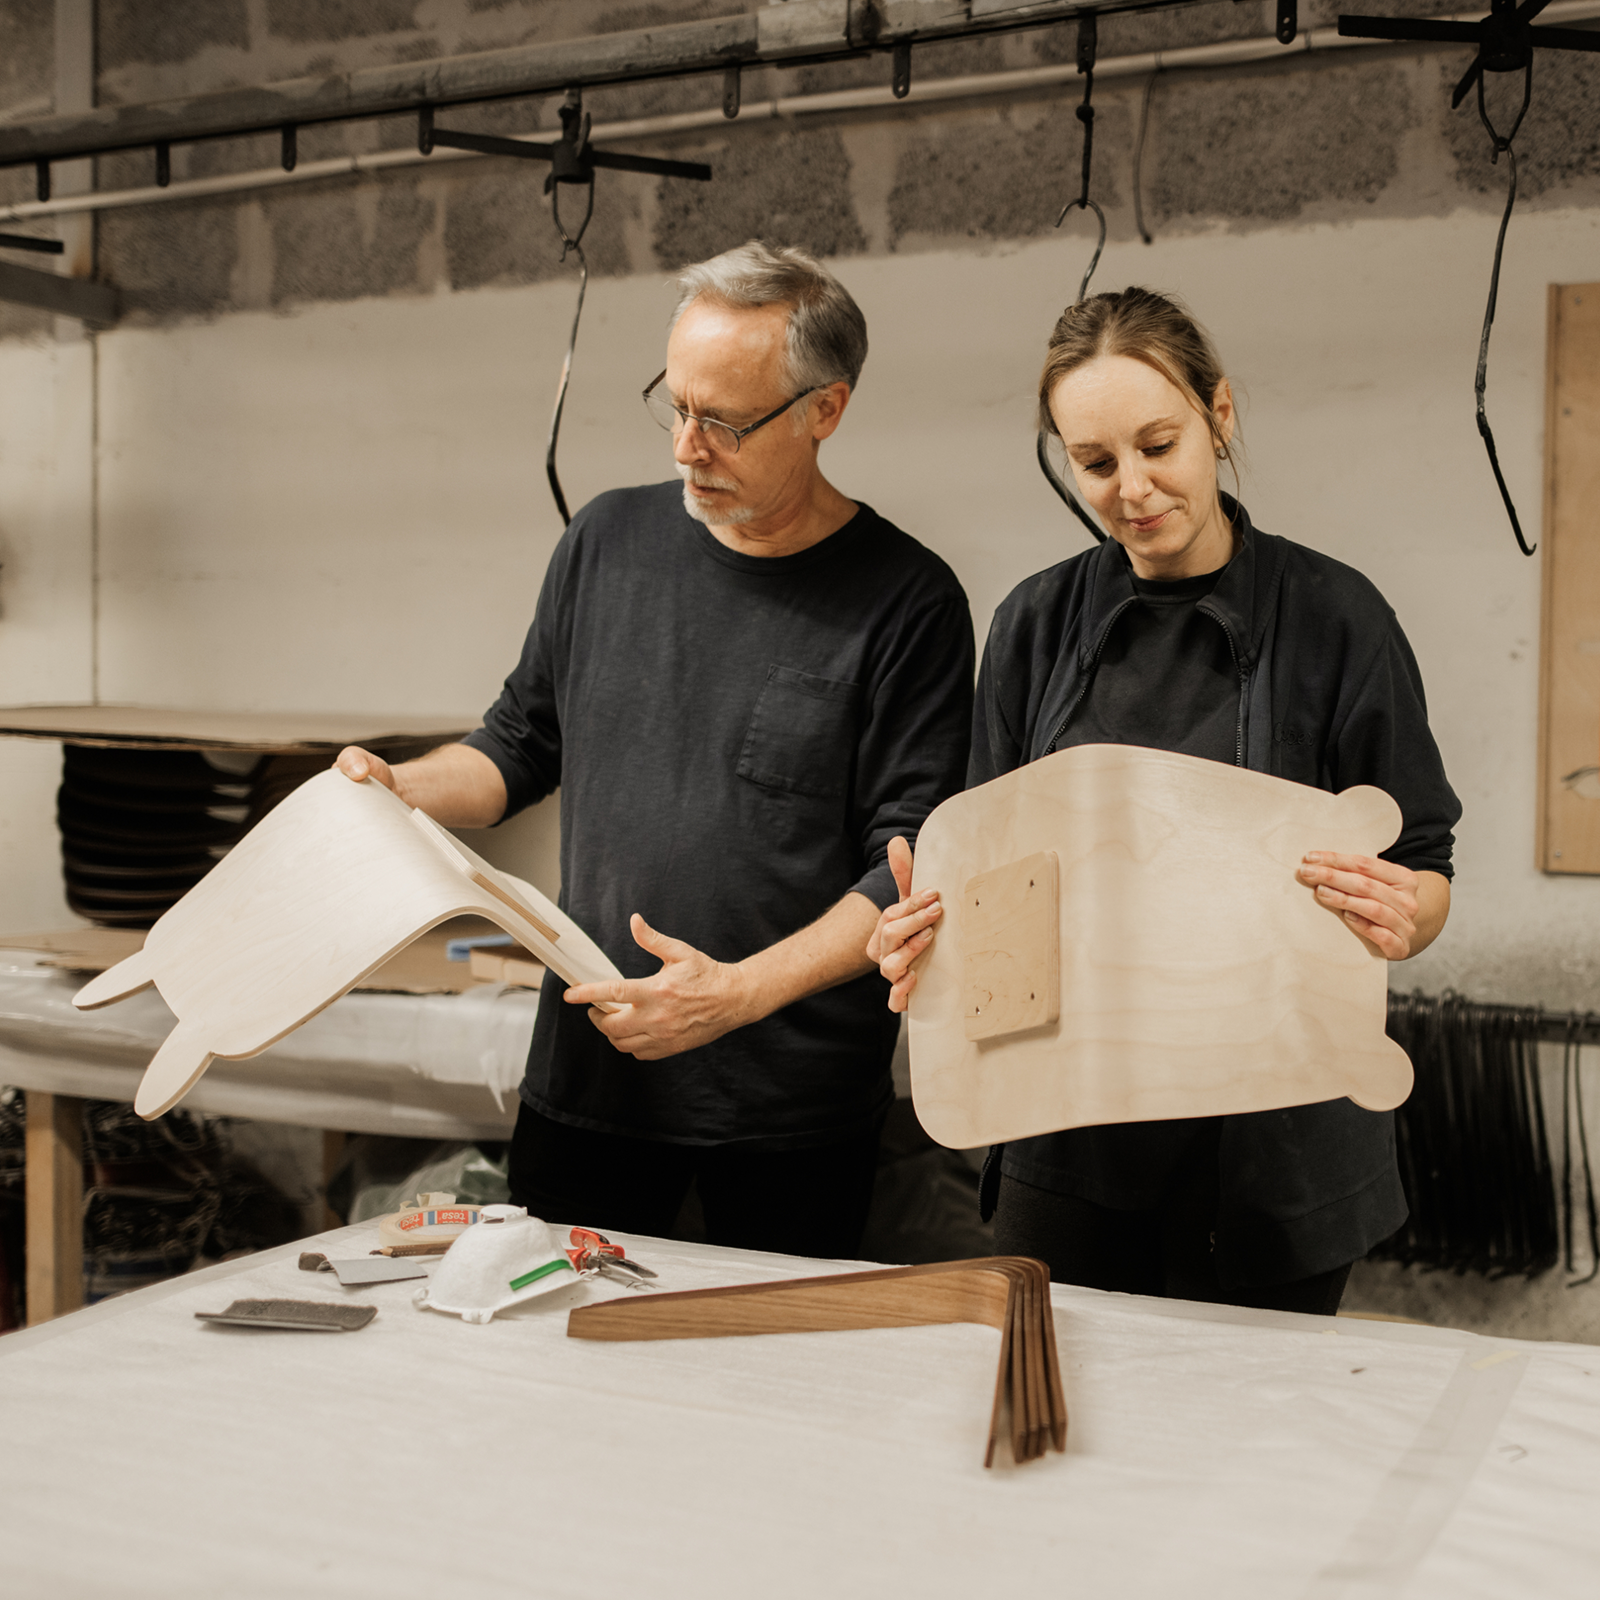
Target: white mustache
[702, 479]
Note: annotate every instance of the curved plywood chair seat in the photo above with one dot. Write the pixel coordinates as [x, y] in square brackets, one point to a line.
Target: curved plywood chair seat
[1011, 1293]
[325, 889]
[1124, 940]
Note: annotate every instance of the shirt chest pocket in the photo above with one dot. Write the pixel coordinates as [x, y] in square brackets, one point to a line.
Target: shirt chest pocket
[802, 734]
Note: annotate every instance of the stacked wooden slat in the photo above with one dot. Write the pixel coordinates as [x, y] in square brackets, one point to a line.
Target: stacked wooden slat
[1011, 1293]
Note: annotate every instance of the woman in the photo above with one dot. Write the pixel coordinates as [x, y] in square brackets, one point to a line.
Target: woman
[1190, 630]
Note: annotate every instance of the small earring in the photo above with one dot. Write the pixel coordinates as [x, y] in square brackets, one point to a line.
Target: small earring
[1222, 455]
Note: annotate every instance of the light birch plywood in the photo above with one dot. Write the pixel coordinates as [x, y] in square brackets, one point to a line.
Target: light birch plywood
[1569, 640]
[1198, 977]
[325, 889]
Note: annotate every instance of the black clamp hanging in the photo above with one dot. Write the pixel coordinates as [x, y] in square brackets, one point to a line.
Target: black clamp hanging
[1085, 112]
[900, 70]
[573, 160]
[1505, 41]
[28, 241]
[568, 165]
[1500, 145]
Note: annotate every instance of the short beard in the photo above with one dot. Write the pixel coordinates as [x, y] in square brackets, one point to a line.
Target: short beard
[731, 518]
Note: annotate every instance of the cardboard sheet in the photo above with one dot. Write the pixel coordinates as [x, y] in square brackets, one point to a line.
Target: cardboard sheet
[158, 728]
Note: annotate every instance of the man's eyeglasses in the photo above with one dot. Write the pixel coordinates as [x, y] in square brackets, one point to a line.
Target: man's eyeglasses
[720, 436]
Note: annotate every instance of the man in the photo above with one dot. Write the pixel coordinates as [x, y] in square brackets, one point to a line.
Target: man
[745, 684]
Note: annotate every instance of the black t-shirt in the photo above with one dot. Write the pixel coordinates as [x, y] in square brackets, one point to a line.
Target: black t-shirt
[1166, 678]
[736, 739]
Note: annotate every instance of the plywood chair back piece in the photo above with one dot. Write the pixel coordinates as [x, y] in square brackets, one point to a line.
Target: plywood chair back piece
[1197, 976]
[327, 887]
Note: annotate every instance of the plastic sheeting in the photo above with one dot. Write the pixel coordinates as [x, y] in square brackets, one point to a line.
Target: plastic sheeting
[1211, 1452]
[436, 1066]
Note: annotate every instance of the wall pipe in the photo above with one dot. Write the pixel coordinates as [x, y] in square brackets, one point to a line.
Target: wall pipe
[1229, 53]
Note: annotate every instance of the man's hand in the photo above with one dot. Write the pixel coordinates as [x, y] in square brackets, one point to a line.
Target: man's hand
[905, 930]
[454, 784]
[356, 764]
[1399, 911]
[690, 1001]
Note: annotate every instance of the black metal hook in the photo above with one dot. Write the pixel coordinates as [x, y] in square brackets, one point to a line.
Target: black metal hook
[1086, 204]
[41, 179]
[290, 146]
[570, 241]
[163, 165]
[731, 92]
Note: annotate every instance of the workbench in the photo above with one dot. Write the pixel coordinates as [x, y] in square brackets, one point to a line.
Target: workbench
[1211, 1452]
[431, 1066]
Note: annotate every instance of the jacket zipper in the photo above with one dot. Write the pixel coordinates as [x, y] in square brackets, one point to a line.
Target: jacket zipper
[1244, 692]
[1094, 661]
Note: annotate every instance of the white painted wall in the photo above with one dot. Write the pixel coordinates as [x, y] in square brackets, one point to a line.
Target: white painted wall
[345, 508]
[46, 555]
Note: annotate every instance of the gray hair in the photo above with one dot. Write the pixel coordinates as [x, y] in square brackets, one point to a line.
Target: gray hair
[826, 336]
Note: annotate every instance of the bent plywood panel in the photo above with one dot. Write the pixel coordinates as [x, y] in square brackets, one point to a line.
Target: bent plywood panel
[1198, 976]
[326, 888]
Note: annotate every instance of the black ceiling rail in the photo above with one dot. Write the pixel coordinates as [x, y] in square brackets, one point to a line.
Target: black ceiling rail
[1505, 39]
[797, 33]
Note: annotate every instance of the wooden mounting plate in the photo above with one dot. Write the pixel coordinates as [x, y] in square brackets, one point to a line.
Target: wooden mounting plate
[1011, 952]
[323, 890]
[1198, 977]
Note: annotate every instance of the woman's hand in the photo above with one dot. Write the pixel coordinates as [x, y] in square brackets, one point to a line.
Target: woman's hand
[1397, 910]
[905, 930]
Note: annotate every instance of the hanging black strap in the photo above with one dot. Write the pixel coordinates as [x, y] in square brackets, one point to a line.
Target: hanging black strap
[1086, 54]
[1500, 145]
[574, 243]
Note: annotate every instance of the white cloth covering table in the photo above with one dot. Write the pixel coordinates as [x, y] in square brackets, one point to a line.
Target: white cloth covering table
[1211, 1452]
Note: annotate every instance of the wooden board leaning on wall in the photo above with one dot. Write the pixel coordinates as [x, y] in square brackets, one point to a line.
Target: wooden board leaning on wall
[1569, 645]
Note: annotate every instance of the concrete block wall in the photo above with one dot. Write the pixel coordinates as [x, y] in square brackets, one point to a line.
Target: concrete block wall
[311, 473]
